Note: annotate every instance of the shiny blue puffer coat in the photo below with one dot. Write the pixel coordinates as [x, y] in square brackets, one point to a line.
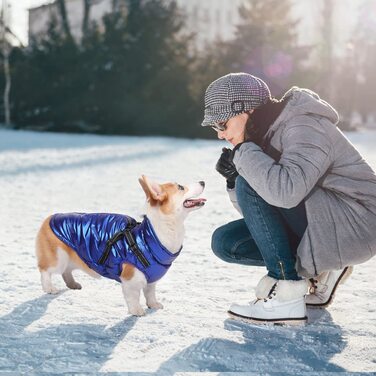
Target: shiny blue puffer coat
[88, 234]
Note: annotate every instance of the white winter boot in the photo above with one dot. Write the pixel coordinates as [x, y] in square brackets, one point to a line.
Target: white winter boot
[324, 286]
[284, 304]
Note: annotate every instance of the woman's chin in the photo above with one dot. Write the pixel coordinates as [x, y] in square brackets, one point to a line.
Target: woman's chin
[234, 142]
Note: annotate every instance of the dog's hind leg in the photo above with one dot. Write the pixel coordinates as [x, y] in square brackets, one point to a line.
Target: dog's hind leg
[151, 300]
[59, 266]
[47, 258]
[69, 280]
[132, 282]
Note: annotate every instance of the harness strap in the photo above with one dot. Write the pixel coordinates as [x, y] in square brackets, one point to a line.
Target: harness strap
[133, 246]
[127, 234]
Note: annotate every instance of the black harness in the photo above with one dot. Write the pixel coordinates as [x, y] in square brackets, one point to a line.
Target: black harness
[127, 234]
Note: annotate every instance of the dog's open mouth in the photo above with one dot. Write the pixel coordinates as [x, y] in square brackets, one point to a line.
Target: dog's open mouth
[193, 202]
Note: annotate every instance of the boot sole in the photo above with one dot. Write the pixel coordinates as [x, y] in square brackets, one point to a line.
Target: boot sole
[342, 278]
[299, 321]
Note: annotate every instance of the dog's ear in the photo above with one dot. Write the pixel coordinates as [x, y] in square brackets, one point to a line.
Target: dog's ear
[152, 190]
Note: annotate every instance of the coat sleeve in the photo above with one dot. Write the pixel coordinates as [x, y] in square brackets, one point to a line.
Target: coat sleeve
[306, 156]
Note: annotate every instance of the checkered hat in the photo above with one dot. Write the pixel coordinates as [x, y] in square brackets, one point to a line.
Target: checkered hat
[232, 95]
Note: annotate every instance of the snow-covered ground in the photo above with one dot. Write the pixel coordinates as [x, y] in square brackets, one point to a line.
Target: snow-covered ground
[90, 331]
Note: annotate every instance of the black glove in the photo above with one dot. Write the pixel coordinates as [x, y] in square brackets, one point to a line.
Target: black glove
[225, 166]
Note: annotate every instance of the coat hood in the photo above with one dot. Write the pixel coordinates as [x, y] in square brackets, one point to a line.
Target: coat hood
[306, 102]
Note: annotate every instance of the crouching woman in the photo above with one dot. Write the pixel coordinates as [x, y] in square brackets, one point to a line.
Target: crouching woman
[307, 197]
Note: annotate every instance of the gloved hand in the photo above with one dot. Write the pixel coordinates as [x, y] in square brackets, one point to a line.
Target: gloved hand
[225, 166]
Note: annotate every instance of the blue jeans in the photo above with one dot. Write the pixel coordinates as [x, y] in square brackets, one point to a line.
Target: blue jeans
[267, 235]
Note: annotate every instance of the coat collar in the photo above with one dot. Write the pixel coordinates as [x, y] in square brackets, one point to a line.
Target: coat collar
[161, 254]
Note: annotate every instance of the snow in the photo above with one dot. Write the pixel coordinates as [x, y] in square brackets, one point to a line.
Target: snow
[90, 331]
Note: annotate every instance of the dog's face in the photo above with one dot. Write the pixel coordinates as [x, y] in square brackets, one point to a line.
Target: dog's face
[172, 198]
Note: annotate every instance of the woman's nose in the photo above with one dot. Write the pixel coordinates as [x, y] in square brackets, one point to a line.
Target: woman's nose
[220, 135]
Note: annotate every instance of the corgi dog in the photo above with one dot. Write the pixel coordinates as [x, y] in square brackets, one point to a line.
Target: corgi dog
[116, 246]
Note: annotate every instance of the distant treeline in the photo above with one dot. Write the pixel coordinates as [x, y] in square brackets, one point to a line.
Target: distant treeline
[142, 75]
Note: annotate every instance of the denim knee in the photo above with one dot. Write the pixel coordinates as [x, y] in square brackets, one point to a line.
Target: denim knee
[217, 243]
[224, 243]
[233, 243]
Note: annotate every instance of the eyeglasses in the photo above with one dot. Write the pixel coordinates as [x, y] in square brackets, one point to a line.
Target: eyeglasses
[220, 127]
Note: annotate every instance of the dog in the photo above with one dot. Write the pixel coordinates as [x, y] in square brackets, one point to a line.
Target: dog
[116, 246]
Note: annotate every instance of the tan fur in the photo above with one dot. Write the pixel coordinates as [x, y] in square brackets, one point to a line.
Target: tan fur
[127, 272]
[154, 193]
[46, 247]
[170, 189]
[163, 199]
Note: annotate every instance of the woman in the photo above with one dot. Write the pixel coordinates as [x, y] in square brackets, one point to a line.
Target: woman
[307, 196]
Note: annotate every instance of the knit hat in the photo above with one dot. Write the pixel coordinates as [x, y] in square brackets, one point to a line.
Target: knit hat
[232, 95]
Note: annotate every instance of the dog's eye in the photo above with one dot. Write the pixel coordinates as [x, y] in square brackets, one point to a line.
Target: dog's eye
[181, 188]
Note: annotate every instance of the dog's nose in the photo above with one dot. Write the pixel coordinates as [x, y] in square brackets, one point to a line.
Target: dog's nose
[202, 183]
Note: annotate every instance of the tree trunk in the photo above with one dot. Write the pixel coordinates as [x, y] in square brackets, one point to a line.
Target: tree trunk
[85, 21]
[328, 47]
[5, 51]
[120, 6]
[7, 86]
[115, 5]
[64, 18]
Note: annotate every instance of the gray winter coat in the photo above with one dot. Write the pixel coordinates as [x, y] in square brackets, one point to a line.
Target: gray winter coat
[319, 165]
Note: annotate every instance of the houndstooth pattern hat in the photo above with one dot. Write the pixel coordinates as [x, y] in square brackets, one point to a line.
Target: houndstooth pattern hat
[232, 95]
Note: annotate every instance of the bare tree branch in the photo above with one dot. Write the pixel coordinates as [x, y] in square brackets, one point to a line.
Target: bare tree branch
[85, 21]
[64, 18]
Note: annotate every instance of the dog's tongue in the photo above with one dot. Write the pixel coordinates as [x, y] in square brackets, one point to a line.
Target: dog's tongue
[194, 202]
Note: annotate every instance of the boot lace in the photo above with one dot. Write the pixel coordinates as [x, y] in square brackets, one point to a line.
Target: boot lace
[313, 287]
[272, 293]
[317, 288]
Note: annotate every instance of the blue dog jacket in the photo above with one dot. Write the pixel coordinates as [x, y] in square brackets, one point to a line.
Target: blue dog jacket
[88, 235]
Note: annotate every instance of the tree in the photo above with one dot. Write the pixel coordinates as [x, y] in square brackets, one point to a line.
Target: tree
[64, 18]
[48, 82]
[356, 77]
[5, 52]
[326, 89]
[366, 60]
[265, 44]
[132, 78]
[116, 4]
[142, 71]
[86, 18]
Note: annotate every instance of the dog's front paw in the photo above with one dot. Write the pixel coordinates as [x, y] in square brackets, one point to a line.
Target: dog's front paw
[155, 305]
[51, 290]
[137, 311]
